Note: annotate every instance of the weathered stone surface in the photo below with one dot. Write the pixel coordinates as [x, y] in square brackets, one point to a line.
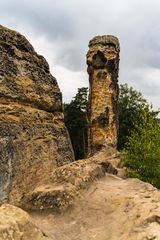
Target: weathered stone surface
[103, 65]
[33, 138]
[55, 198]
[111, 209]
[36, 170]
[15, 224]
[25, 75]
[67, 182]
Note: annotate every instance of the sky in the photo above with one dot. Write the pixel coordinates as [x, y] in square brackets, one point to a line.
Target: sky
[61, 29]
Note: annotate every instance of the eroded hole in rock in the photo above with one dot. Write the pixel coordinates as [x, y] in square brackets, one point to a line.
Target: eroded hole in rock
[111, 65]
[99, 60]
[101, 75]
[103, 119]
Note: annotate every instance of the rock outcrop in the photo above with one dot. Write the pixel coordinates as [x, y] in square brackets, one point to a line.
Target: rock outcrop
[94, 198]
[16, 224]
[103, 66]
[67, 181]
[33, 137]
[112, 208]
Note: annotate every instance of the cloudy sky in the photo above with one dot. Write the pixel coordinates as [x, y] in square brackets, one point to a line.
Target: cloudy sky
[61, 29]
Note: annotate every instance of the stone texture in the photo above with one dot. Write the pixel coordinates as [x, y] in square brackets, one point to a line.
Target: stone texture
[15, 224]
[111, 209]
[33, 138]
[67, 182]
[36, 169]
[103, 65]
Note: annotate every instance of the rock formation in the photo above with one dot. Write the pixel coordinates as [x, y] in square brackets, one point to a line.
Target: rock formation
[67, 181]
[36, 168]
[16, 224]
[33, 138]
[112, 208]
[99, 205]
[103, 64]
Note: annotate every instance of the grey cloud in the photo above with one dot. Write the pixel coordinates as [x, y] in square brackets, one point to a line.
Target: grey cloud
[70, 24]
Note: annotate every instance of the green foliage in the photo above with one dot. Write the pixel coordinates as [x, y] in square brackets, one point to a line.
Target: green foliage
[75, 115]
[130, 104]
[143, 149]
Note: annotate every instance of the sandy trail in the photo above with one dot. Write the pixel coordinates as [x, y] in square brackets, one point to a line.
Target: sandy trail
[112, 208]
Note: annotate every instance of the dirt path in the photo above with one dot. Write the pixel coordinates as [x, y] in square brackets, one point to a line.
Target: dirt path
[112, 208]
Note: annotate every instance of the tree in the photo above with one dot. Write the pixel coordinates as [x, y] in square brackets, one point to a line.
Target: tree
[130, 104]
[75, 115]
[143, 149]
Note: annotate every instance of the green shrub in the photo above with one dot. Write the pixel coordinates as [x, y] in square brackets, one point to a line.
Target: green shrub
[143, 149]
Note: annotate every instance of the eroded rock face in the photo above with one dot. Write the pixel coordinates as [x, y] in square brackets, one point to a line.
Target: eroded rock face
[103, 65]
[33, 138]
[67, 182]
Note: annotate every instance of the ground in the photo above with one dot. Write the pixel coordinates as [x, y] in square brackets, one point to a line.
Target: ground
[111, 208]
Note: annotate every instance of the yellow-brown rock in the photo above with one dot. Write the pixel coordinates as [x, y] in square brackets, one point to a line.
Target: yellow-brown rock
[33, 138]
[111, 209]
[68, 181]
[103, 65]
[15, 224]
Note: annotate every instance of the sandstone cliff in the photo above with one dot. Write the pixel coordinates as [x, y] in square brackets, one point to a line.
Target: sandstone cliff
[33, 138]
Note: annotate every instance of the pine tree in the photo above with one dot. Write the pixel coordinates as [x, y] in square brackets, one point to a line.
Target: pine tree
[75, 114]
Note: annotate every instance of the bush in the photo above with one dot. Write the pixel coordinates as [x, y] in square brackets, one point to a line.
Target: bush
[143, 149]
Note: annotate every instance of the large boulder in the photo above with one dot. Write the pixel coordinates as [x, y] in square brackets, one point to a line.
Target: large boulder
[33, 137]
[16, 224]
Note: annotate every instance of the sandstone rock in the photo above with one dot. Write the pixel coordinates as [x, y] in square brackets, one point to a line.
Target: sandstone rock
[68, 181]
[15, 224]
[33, 138]
[110, 209]
[55, 198]
[36, 169]
[103, 66]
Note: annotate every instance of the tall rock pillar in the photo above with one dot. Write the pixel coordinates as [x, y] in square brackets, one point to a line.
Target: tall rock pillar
[103, 66]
